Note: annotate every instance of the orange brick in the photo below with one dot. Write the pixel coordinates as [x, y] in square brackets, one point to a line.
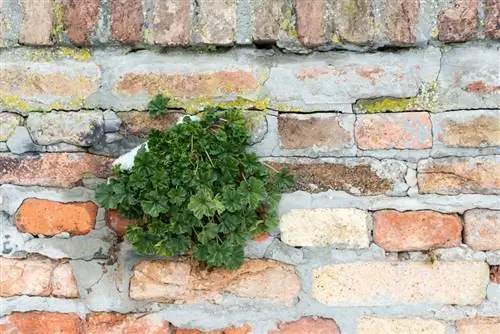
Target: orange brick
[41, 323]
[308, 326]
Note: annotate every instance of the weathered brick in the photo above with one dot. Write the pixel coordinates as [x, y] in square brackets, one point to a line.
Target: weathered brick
[416, 230]
[310, 22]
[399, 131]
[492, 20]
[41, 323]
[180, 282]
[37, 276]
[266, 16]
[467, 128]
[117, 223]
[482, 229]
[207, 84]
[449, 176]
[495, 274]
[8, 124]
[172, 22]
[321, 131]
[38, 216]
[245, 329]
[217, 22]
[308, 326]
[83, 128]
[478, 325]
[141, 123]
[37, 23]
[98, 323]
[400, 21]
[80, 18]
[49, 85]
[126, 20]
[389, 283]
[320, 83]
[372, 325]
[358, 176]
[52, 169]
[465, 83]
[353, 20]
[341, 228]
[459, 23]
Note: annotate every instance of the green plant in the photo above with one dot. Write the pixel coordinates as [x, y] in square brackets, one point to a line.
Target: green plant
[197, 191]
[158, 105]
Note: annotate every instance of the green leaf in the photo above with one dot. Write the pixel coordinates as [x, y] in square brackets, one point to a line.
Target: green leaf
[154, 209]
[158, 105]
[204, 204]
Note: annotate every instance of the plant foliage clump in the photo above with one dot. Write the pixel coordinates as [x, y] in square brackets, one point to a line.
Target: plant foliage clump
[198, 191]
[158, 105]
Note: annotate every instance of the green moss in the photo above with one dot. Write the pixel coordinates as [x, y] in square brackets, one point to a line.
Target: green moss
[194, 105]
[425, 100]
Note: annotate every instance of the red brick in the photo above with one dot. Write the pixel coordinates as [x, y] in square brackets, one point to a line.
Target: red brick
[37, 216]
[181, 282]
[116, 323]
[37, 276]
[302, 131]
[495, 274]
[126, 20]
[416, 230]
[482, 229]
[41, 323]
[117, 223]
[80, 17]
[401, 19]
[478, 325]
[308, 326]
[492, 21]
[458, 23]
[139, 123]
[52, 169]
[245, 329]
[449, 176]
[37, 22]
[172, 22]
[310, 21]
[399, 131]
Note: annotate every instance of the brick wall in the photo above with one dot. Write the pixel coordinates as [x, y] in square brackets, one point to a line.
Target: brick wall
[387, 113]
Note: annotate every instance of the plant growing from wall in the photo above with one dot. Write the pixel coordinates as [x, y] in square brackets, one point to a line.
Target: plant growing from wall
[197, 191]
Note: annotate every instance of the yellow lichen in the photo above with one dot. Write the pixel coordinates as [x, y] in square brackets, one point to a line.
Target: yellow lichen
[57, 29]
[45, 55]
[435, 32]
[194, 105]
[287, 26]
[335, 39]
[9, 102]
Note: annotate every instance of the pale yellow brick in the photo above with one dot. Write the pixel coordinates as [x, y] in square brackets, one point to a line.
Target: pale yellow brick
[371, 325]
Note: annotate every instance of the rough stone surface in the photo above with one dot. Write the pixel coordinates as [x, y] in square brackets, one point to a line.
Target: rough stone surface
[98, 323]
[37, 24]
[340, 228]
[372, 325]
[450, 176]
[310, 22]
[59, 85]
[117, 223]
[8, 124]
[80, 18]
[20, 142]
[41, 323]
[495, 274]
[266, 16]
[458, 23]
[467, 128]
[482, 229]
[387, 283]
[245, 329]
[308, 326]
[180, 282]
[416, 230]
[353, 21]
[77, 128]
[398, 131]
[400, 21]
[172, 22]
[37, 216]
[141, 123]
[492, 20]
[37, 276]
[112, 122]
[478, 325]
[217, 22]
[52, 169]
[364, 176]
[321, 131]
[126, 20]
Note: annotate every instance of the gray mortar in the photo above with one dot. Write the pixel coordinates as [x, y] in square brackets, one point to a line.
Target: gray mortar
[244, 24]
[102, 32]
[12, 16]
